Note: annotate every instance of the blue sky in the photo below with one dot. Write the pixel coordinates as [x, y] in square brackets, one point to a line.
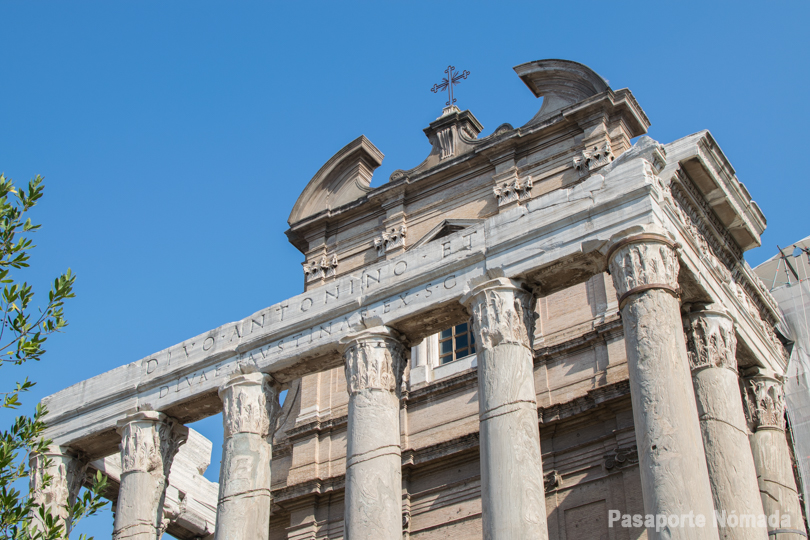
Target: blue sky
[175, 137]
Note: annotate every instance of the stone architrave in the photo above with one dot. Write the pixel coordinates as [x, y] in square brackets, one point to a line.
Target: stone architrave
[243, 510]
[711, 347]
[674, 476]
[66, 473]
[777, 484]
[375, 359]
[149, 442]
[512, 492]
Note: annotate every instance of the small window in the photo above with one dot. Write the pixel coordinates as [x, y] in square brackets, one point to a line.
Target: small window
[456, 342]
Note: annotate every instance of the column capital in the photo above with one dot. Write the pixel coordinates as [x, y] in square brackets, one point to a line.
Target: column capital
[66, 472]
[249, 403]
[149, 441]
[766, 400]
[502, 311]
[642, 262]
[710, 339]
[374, 359]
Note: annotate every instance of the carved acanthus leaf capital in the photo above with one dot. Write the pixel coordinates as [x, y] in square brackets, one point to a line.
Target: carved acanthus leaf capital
[149, 442]
[374, 359]
[766, 401]
[502, 312]
[56, 478]
[710, 340]
[510, 187]
[643, 262]
[249, 402]
[593, 157]
[391, 239]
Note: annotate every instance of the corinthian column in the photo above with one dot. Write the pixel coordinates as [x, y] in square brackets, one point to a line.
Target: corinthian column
[711, 346]
[243, 512]
[777, 485]
[149, 442]
[375, 360]
[66, 473]
[674, 477]
[512, 495]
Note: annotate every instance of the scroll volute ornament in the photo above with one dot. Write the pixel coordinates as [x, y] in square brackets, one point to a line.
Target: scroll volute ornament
[643, 262]
[502, 312]
[710, 340]
[374, 359]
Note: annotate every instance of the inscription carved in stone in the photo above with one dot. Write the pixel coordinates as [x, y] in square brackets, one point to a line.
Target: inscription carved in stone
[376, 362]
[710, 340]
[593, 157]
[502, 313]
[766, 400]
[646, 262]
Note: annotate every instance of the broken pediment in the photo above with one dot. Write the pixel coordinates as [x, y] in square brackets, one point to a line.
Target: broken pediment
[560, 83]
[345, 178]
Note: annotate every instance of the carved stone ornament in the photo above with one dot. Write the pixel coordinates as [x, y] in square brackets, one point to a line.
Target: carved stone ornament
[621, 457]
[502, 312]
[374, 360]
[64, 473]
[447, 143]
[249, 402]
[643, 262]
[551, 481]
[766, 400]
[593, 157]
[149, 442]
[392, 239]
[753, 310]
[510, 188]
[710, 340]
[322, 269]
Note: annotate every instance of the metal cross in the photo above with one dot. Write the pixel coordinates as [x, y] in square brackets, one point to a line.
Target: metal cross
[448, 83]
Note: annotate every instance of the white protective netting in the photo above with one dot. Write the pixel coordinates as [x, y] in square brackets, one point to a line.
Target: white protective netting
[794, 300]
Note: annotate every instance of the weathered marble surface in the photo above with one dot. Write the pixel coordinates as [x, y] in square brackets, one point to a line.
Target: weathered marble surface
[66, 473]
[375, 360]
[711, 347]
[149, 442]
[512, 494]
[673, 467]
[243, 511]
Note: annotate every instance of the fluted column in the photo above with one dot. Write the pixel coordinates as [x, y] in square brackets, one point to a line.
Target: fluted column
[777, 485]
[66, 473]
[243, 511]
[673, 467]
[375, 360]
[149, 442]
[512, 495]
[711, 347]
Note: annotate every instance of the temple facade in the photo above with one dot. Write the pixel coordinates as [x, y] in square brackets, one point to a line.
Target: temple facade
[546, 333]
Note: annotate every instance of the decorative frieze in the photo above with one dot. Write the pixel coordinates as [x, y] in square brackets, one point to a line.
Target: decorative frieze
[710, 340]
[502, 312]
[621, 457]
[389, 240]
[509, 187]
[374, 360]
[643, 262]
[324, 268]
[766, 402]
[593, 157]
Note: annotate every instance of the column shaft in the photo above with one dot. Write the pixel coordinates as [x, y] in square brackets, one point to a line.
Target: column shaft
[711, 345]
[512, 494]
[66, 473]
[777, 484]
[375, 360]
[243, 510]
[149, 442]
[674, 476]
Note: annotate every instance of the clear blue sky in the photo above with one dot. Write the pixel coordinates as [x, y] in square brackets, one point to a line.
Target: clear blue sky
[175, 137]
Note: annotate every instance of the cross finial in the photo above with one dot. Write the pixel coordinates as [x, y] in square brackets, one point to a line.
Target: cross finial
[448, 82]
